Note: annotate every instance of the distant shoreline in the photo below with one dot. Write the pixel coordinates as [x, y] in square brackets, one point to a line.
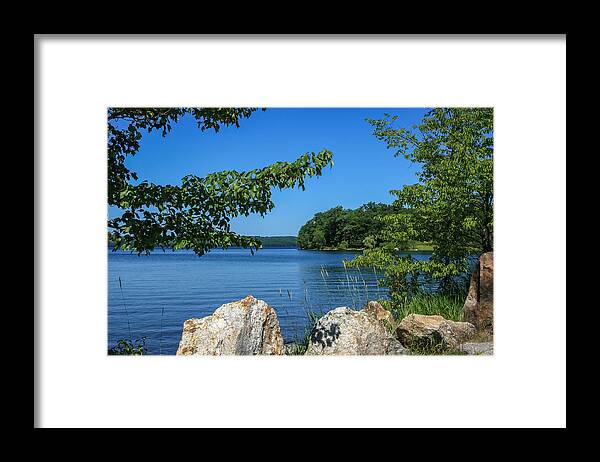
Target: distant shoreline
[328, 249]
[275, 242]
[334, 249]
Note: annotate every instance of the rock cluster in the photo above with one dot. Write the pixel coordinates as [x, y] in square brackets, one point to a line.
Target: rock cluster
[251, 327]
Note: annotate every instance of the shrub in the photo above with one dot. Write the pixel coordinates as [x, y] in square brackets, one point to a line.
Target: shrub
[135, 347]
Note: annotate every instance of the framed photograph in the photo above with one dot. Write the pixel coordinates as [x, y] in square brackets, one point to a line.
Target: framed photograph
[220, 264]
[255, 219]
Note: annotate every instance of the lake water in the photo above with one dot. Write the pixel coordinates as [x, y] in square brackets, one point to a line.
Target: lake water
[160, 291]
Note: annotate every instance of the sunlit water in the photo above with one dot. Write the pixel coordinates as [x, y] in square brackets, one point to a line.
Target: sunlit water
[160, 291]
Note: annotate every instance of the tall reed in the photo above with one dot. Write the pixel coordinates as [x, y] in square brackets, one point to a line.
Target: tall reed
[126, 312]
[162, 313]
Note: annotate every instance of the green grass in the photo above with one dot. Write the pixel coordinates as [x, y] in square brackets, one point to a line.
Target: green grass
[425, 246]
[448, 306]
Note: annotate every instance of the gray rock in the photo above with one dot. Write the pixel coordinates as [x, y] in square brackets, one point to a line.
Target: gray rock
[433, 330]
[244, 327]
[344, 331]
[483, 348]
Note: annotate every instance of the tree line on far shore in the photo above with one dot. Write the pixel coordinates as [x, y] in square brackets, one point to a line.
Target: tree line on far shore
[340, 228]
[265, 241]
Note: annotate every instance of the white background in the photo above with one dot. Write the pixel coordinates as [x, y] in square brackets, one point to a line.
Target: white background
[523, 384]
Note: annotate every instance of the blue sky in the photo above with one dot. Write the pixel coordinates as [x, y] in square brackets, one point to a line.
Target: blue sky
[364, 169]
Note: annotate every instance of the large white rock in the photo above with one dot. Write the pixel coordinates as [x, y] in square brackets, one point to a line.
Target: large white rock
[344, 331]
[245, 327]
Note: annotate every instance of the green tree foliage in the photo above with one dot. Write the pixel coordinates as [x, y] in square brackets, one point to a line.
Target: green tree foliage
[135, 347]
[344, 228]
[265, 241]
[195, 214]
[450, 206]
[369, 242]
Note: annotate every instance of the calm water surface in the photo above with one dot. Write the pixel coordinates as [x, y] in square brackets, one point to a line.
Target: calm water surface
[160, 291]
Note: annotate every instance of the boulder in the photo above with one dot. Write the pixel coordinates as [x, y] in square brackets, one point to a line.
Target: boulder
[245, 327]
[479, 305]
[344, 331]
[433, 330]
[379, 312]
[480, 348]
